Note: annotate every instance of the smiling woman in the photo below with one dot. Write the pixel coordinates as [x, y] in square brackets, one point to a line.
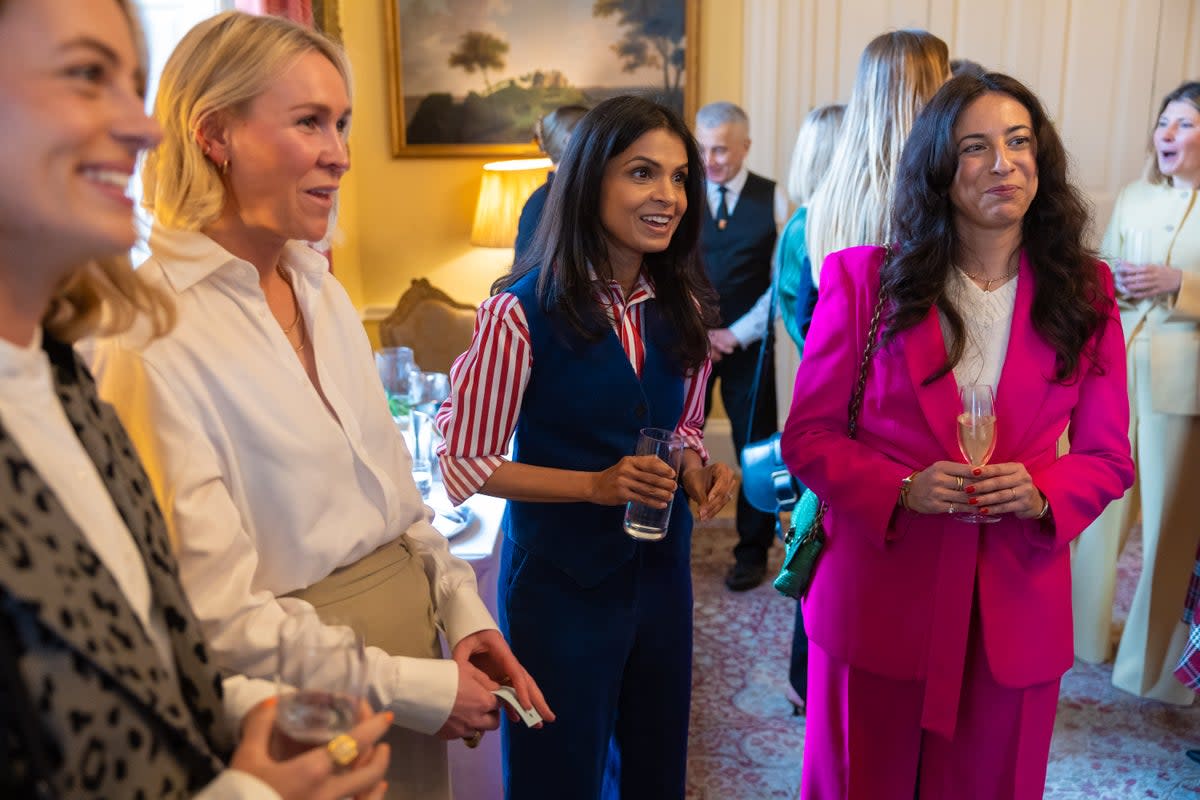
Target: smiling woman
[597, 333]
[262, 414]
[106, 689]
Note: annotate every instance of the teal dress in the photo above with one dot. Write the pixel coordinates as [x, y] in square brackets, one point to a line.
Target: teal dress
[795, 277]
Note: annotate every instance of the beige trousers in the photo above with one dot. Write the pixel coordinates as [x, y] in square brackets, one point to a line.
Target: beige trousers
[1167, 452]
[386, 596]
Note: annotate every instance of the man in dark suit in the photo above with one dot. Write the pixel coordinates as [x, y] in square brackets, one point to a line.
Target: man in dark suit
[738, 239]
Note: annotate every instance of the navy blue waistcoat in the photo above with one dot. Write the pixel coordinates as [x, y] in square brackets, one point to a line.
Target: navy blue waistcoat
[582, 410]
[738, 259]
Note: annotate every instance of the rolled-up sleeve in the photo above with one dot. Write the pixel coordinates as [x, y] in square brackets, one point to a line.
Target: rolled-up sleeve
[487, 384]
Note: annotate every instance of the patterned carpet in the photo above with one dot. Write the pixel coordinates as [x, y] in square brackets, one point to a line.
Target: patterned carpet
[746, 745]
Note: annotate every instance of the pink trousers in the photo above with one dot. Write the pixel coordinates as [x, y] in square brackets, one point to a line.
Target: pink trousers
[864, 739]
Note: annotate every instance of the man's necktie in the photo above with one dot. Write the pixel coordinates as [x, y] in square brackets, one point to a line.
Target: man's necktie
[722, 209]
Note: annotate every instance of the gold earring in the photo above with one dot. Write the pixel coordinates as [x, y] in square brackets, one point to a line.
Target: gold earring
[225, 167]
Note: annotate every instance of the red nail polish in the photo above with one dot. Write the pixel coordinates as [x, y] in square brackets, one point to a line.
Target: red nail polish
[974, 501]
[985, 511]
[969, 490]
[976, 472]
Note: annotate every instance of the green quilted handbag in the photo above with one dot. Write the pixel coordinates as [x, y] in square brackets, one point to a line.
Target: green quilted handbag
[802, 545]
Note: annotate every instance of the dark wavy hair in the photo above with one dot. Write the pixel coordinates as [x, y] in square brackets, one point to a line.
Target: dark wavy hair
[1069, 303]
[570, 235]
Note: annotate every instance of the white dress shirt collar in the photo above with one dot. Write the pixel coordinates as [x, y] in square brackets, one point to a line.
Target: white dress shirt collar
[733, 190]
[191, 256]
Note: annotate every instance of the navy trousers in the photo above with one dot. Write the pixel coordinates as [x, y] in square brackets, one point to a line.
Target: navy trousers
[614, 662]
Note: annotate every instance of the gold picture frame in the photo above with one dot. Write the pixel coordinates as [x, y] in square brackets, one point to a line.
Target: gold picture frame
[510, 105]
[327, 18]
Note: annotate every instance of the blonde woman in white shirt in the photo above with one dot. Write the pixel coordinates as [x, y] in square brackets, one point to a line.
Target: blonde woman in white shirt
[286, 484]
[105, 685]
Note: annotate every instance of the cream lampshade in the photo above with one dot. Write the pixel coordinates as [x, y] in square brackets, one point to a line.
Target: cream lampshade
[505, 187]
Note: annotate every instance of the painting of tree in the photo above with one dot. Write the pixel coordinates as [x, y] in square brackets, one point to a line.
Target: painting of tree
[479, 50]
[472, 77]
[654, 37]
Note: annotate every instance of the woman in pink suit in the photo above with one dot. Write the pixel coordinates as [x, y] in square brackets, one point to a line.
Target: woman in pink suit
[937, 646]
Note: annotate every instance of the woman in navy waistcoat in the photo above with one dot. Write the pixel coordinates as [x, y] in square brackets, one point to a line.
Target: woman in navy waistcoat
[598, 331]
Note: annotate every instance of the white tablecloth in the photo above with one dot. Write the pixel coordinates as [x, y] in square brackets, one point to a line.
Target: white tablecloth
[475, 774]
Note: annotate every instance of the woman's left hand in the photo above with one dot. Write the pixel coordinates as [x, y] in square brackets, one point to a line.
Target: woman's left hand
[1147, 280]
[1005, 489]
[710, 486]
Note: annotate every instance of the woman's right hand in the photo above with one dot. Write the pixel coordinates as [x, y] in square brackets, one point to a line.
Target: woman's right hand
[312, 774]
[939, 485]
[647, 479]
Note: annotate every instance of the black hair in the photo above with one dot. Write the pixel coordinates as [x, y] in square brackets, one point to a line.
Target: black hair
[570, 236]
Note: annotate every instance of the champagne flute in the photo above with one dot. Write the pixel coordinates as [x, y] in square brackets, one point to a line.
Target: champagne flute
[321, 682]
[977, 434]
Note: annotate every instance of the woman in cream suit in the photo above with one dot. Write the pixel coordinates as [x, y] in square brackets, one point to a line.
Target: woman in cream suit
[1160, 302]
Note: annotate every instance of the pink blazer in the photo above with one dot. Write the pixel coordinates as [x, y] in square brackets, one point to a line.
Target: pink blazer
[893, 590]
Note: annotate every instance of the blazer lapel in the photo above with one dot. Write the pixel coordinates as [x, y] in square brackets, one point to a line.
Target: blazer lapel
[925, 352]
[1027, 374]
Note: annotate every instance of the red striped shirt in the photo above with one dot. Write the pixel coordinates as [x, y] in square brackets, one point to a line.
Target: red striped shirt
[488, 382]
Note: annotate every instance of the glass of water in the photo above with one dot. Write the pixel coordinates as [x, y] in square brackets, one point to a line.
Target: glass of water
[642, 521]
[426, 393]
[321, 681]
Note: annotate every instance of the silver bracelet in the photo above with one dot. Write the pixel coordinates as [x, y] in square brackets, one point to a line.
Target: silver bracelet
[1045, 507]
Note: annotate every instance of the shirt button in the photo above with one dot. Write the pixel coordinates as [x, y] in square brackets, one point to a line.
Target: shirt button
[1170, 228]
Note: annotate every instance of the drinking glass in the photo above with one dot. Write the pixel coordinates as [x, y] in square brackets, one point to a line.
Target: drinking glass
[977, 434]
[426, 393]
[321, 681]
[395, 364]
[642, 521]
[1135, 252]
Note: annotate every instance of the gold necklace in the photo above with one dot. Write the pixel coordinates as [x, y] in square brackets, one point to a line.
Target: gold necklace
[987, 282]
[287, 332]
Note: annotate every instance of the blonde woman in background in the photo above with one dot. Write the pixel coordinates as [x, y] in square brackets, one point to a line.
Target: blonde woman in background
[106, 690]
[810, 160]
[266, 432]
[1160, 302]
[898, 72]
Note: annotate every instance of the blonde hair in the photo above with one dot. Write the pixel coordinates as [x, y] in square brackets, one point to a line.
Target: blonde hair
[221, 65]
[817, 137]
[105, 296]
[897, 75]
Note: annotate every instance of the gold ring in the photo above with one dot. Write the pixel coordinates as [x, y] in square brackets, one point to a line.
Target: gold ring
[473, 740]
[343, 750]
[951, 509]
[959, 480]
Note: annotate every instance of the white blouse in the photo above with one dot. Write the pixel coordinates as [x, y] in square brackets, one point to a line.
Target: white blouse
[35, 420]
[987, 317]
[265, 491]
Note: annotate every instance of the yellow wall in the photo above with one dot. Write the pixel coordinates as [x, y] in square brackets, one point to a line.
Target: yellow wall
[411, 217]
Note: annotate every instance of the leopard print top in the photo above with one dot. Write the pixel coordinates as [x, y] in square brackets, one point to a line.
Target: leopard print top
[113, 723]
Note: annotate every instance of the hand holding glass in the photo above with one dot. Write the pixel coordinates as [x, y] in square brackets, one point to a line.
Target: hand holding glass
[977, 434]
[642, 521]
[322, 681]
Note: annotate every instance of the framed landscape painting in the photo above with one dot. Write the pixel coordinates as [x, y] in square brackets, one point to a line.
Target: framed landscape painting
[470, 77]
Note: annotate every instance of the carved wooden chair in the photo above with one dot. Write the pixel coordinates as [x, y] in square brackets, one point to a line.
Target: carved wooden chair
[436, 327]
